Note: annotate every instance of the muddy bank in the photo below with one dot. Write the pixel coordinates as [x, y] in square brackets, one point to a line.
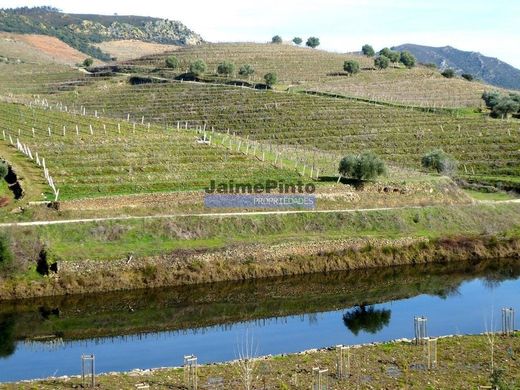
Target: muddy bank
[255, 261]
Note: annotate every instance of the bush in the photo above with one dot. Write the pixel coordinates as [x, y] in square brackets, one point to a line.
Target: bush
[172, 62]
[467, 76]
[505, 106]
[313, 42]
[198, 67]
[246, 70]
[439, 161]
[502, 105]
[368, 50]
[88, 62]
[226, 68]
[276, 39]
[351, 67]
[430, 65]
[448, 73]
[381, 62]
[270, 79]
[365, 166]
[4, 170]
[407, 59]
[297, 40]
[6, 256]
[392, 55]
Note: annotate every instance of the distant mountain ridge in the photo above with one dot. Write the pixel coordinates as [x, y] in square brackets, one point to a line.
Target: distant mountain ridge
[488, 69]
[81, 31]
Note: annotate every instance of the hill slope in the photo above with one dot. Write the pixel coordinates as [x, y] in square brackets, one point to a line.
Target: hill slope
[37, 48]
[491, 70]
[319, 70]
[82, 31]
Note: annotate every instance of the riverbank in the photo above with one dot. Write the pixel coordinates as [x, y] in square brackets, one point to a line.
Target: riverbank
[96, 257]
[463, 362]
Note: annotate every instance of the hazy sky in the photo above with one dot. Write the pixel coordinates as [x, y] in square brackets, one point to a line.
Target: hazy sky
[490, 27]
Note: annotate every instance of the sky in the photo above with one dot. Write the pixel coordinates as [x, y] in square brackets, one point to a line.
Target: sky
[342, 25]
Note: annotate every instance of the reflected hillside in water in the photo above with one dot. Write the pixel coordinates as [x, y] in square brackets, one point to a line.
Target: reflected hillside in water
[199, 306]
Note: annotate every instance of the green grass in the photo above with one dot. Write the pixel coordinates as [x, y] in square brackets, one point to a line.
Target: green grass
[117, 239]
[491, 196]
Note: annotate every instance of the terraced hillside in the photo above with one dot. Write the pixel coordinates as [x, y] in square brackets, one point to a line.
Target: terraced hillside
[484, 146]
[319, 70]
[94, 157]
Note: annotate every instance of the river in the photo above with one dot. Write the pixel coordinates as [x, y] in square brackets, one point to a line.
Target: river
[155, 328]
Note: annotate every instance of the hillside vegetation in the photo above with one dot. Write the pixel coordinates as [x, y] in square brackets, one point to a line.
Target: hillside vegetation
[82, 31]
[399, 135]
[318, 70]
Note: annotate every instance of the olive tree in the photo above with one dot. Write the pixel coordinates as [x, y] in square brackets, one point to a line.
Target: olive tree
[364, 166]
[448, 73]
[297, 40]
[381, 62]
[226, 68]
[313, 42]
[172, 62]
[368, 50]
[246, 70]
[270, 79]
[88, 62]
[276, 39]
[351, 67]
[198, 67]
[439, 161]
[407, 59]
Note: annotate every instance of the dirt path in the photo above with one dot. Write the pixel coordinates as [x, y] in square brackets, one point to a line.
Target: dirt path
[231, 214]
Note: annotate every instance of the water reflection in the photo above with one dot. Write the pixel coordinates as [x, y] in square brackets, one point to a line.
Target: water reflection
[354, 300]
[370, 320]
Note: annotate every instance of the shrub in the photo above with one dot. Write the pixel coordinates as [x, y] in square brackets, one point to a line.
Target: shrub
[270, 78]
[448, 73]
[505, 106]
[491, 98]
[88, 62]
[430, 65]
[368, 50]
[439, 161]
[4, 170]
[226, 68]
[313, 42]
[172, 62]
[502, 105]
[467, 76]
[351, 67]
[407, 59]
[246, 70]
[381, 62]
[276, 39]
[297, 40]
[6, 256]
[197, 67]
[365, 166]
[392, 55]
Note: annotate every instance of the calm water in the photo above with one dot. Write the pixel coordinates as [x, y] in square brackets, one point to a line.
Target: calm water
[146, 329]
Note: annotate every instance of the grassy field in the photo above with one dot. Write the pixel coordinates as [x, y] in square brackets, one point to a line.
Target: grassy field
[111, 240]
[464, 362]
